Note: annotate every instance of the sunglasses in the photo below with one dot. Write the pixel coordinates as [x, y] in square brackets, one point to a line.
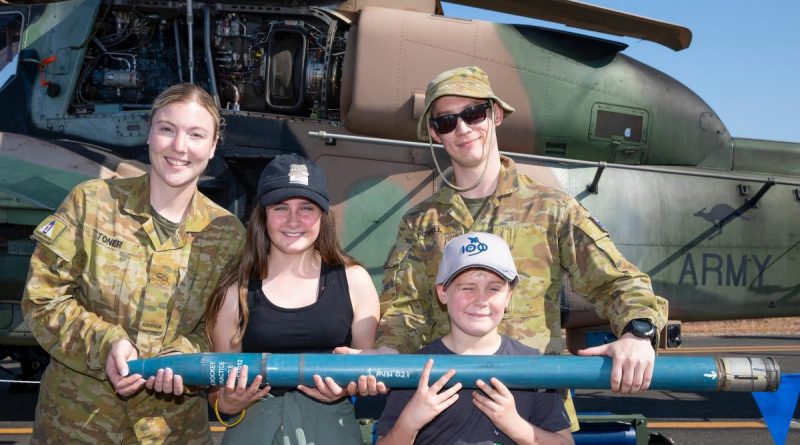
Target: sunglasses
[471, 115]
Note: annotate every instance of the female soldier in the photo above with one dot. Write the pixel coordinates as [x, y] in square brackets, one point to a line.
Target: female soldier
[122, 270]
[292, 290]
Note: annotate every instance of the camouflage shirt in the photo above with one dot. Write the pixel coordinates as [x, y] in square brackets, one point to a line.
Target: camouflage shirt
[99, 274]
[549, 234]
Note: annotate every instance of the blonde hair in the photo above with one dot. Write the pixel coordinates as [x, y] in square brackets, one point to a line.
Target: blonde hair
[187, 93]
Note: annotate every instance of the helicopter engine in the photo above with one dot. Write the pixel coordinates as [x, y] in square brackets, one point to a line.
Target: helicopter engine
[275, 60]
[127, 62]
[286, 64]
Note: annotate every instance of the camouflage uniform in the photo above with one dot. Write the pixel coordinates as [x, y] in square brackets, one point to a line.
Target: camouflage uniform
[100, 274]
[549, 233]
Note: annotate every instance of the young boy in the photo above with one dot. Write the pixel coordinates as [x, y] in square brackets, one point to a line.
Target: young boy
[475, 281]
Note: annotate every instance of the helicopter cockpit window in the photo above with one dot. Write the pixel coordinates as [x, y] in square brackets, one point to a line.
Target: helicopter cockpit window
[617, 123]
[11, 26]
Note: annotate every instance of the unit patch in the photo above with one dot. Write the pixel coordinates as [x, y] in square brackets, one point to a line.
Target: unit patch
[50, 228]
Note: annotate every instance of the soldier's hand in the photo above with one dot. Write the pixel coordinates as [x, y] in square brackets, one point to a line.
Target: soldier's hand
[165, 381]
[117, 368]
[633, 360]
[237, 395]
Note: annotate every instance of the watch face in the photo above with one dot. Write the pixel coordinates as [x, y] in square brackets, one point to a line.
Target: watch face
[643, 327]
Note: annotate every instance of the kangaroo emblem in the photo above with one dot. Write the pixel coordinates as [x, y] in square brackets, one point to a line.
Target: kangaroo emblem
[717, 214]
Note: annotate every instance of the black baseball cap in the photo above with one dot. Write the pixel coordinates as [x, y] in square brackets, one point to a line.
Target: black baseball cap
[292, 176]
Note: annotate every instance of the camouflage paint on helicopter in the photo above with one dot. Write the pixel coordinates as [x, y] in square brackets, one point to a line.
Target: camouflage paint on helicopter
[31, 189]
[578, 98]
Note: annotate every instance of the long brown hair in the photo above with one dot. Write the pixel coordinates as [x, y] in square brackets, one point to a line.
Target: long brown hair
[253, 264]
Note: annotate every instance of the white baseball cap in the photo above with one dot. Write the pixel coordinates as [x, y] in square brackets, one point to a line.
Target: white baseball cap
[478, 249]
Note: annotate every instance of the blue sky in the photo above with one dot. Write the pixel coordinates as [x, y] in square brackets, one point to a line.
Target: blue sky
[744, 60]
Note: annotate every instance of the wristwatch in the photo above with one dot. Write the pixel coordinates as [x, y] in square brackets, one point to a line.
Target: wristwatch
[642, 328]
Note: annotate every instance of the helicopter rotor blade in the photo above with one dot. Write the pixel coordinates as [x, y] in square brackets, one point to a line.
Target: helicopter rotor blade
[590, 17]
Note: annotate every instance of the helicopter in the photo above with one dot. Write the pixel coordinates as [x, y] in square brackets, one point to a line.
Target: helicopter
[705, 214]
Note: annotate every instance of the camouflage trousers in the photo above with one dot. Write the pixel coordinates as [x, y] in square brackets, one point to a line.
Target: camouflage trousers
[74, 408]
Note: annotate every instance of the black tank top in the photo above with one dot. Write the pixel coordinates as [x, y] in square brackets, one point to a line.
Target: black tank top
[318, 327]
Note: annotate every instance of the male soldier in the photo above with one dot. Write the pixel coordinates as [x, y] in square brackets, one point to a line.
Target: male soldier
[549, 233]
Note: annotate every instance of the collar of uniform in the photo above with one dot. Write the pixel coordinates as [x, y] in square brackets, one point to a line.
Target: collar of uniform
[138, 203]
[508, 182]
[198, 216]
[445, 195]
[506, 185]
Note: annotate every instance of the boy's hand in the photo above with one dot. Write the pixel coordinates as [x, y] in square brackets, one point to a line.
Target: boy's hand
[499, 407]
[428, 402]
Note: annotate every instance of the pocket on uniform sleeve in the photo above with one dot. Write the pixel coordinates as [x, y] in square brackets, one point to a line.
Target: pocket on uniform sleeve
[397, 255]
[600, 238]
